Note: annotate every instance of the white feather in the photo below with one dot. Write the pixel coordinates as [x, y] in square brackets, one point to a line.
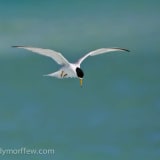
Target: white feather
[58, 57]
[100, 51]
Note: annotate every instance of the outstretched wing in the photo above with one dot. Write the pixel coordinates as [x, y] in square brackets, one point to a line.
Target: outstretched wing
[100, 51]
[58, 57]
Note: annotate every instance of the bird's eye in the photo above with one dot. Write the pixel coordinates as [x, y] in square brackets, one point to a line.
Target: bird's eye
[79, 72]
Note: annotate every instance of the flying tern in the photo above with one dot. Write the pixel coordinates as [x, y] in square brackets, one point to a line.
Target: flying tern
[72, 70]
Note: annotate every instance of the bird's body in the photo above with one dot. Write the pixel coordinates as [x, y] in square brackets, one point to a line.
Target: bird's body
[72, 70]
[65, 72]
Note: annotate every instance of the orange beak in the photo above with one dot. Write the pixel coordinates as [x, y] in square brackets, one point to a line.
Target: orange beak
[81, 81]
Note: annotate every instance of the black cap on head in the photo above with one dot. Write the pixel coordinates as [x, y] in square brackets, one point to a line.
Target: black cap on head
[79, 72]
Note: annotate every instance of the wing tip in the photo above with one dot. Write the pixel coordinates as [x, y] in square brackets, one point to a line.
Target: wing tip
[123, 49]
[17, 46]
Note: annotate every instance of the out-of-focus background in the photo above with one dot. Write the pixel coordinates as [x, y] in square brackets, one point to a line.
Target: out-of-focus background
[116, 115]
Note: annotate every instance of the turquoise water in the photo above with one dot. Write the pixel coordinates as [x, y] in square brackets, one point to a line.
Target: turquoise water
[115, 115]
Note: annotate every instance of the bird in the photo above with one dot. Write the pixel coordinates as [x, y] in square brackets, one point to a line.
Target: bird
[69, 70]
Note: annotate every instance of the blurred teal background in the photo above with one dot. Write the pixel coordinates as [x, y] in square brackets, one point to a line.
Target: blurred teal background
[116, 115]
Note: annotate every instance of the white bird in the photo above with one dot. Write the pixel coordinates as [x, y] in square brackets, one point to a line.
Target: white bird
[72, 70]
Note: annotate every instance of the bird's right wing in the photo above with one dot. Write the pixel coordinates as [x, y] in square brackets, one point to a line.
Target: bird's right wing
[100, 51]
[58, 57]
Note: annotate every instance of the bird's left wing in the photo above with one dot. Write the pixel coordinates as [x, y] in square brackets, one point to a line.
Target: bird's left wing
[58, 57]
[100, 51]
